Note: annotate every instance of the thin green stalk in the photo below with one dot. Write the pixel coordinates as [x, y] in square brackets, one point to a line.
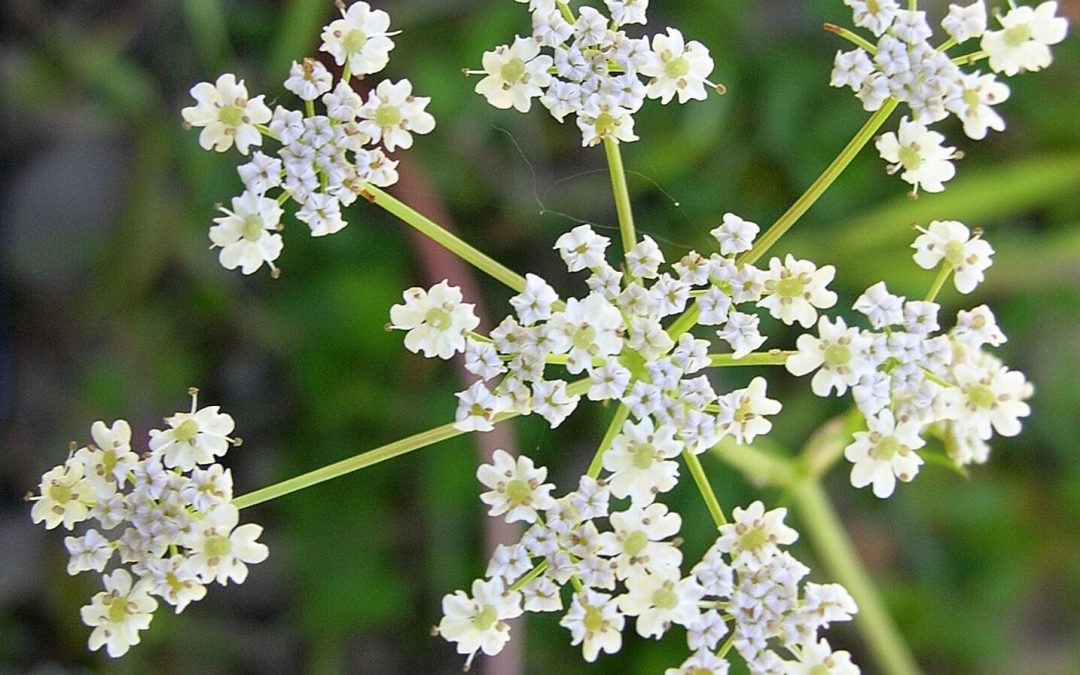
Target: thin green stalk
[852, 37]
[372, 457]
[621, 413]
[622, 194]
[447, 240]
[969, 59]
[703, 486]
[822, 526]
[774, 357]
[818, 187]
[685, 322]
[528, 576]
[939, 281]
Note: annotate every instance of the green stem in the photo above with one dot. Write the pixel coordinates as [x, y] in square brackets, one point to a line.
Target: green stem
[852, 37]
[968, 59]
[774, 357]
[622, 194]
[939, 281]
[685, 322]
[833, 546]
[528, 576]
[565, 9]
[703, 486]
[371, 457]
[818, 187]
[447, 240]
[621, 413]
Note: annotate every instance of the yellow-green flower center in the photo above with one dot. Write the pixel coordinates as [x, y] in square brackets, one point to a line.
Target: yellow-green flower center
[583, 337]
[605, 124]
[677, 68]
[485, 619]
[58, 492]
[954, 252]
[909, 158]
[981, 396]
[512, 70]
[971, 98]
[837, 355]
[665, 598]
[438, 318]
[252, 227]
[117, 609]
[518, 492]
[886, 448]
[185, 433]
[216, 546]
[231, 115]
[1017, 35]
[789, 287]
[752, 539]
[635, 543]
[387, 115]
[643, 456]
[354, 41]
[593, 620]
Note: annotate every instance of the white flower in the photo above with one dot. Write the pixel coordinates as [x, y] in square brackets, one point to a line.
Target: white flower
[248, 234]
[639, 459]
[877, 15]
[551, 401]
[964, 23]
[482, 359]
[373, 166]
[624, 12]
[705, 631]
[226, 114]
[508, 562]
[608, 381]
[322, 213]
[595, 623]
[919, 152]
[591, 498]
[220, 549]
[585, 329]
[392, 114]
[194, 437]
[977, 327]
[644, 259]
[921, 317]
[951, 241]
[581, 248]
[734, 234]
[479, 623]
[701, 662]
[477, 408]
[515, 74]
[659, 600]
[605, 117]
[741, 332]
[91, 551]
[541, 595]
[819, 659]
[851, 69]
[309, 80]
[880, 306]
[174, 580]
[911, 27]
[118, 613]
[517, 488]
[677, 67]
[636, 541]
[359, 40]
[884, 453]
[754, 536]
[839, 352]
[436, 320]
[992, 396]
[1024, 42]
[970, 99]
[535, 301]
[742, 412]
[261, 173]
[795, 288]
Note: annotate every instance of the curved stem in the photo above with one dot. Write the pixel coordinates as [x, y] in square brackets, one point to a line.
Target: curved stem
[818, 187]
[622, 194]
[852, 37]
[939, 281]
[447, 240]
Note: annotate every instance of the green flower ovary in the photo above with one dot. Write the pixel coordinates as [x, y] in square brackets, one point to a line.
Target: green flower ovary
[981, 396]
[583, 337]
[665, 598]
[231, 115]
[677, 68]
[593, 620]
[387, 115]
[216, 546]
[118, 611]
[837, 355]
[790, 287]
[354, 41]
[635, 543]
[886, 448]
[643, 455]
[518, 492]
[438, 318]
[909, 158]
[186, 432]
[753, 539]
[1017, 35]
[512, 70]
[485, 619]
[252, 228]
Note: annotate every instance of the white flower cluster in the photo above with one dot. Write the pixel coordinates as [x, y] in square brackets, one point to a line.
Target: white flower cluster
[594, 70]
[615, 336]
[904, 66]
[626, 563]
[324, 161]
[908, 379]
[165, 518]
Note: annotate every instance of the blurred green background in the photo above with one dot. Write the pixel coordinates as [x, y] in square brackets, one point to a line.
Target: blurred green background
[113, 306]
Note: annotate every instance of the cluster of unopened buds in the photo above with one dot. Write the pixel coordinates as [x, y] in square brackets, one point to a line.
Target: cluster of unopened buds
[166, 516]
[644, 337]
